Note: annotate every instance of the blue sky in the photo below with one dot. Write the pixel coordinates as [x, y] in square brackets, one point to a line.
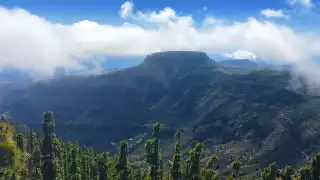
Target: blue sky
[41, 35]
[102, 11]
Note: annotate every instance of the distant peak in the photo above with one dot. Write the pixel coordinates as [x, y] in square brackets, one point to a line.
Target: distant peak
[176, 63]
[173, 53]
[173, 58]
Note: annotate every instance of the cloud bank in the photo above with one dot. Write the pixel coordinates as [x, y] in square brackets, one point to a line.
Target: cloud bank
[35, 44]
[241, 54]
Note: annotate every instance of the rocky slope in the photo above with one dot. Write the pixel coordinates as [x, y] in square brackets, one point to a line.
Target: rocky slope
[253, 113]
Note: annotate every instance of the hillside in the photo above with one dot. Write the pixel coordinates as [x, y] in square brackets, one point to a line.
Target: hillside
[25, 154]
[244, 63]
[252, 113]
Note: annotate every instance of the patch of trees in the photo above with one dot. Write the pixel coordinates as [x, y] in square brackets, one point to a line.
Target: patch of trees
[34, 157]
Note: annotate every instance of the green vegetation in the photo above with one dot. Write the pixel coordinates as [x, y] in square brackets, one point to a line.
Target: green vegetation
[29, 156]
[253, 114]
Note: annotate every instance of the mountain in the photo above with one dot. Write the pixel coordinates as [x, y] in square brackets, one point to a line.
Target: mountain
[14, 77]
[244, 63]
[255, 114]
[248, 64]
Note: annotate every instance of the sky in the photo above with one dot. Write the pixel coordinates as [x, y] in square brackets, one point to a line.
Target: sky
[40, 35]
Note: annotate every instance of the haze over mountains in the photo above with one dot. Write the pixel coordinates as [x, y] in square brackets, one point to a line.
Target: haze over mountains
[249, 110]
[112, 63]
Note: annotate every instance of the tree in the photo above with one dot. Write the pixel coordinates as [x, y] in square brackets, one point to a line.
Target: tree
[21, 142]
[86, 170]
[207, 173]
[287, 173]
[36, 174]
[193, 163]
[95, 175]
[270, 172]
[31, 146]
[137, 174]
[58, 160]
[316, 167]
[152, 151]
[122, 165]
[49, 169]
[67, 159]
[103, 166]
[161, 166]
[236, 164]
[178, 134]
[75, 167]
[22, 146]
[176, 167]
[306, 173]
[36, 163]
[212, 160]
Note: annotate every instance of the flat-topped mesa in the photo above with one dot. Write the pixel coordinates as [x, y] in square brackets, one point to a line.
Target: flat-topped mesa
[176, 63]
[177, 58]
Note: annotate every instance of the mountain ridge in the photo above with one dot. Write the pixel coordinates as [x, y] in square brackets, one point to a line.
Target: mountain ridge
[244, 63]
[212, 106]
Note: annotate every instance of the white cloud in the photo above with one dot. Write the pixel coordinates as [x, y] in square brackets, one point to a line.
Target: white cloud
[126, 9]
[304, 3]
[210, 20]
[241, 54]
[35, 44]
[164, 16]
[270, 13]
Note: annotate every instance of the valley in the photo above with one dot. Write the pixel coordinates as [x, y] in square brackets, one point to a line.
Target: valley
[251, 112]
